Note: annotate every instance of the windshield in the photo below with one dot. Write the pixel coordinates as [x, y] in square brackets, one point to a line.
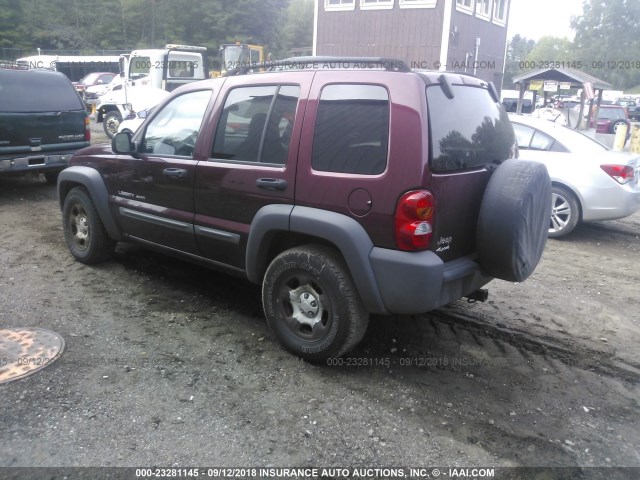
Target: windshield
[577, 141]
[233, 56]
[468, 131]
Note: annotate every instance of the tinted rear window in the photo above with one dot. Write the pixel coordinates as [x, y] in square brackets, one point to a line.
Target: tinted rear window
[352, 129]
[612, 113]
[468, 131]
[37, 92]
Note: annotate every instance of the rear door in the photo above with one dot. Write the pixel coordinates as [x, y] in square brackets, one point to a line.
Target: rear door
[254, 150]
[353, 159]
[154, 192]
[468, 133]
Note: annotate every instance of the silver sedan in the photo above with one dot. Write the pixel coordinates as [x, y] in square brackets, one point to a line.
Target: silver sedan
[590, 181]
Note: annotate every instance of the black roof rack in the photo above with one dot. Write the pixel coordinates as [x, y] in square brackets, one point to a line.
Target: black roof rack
[323, 62]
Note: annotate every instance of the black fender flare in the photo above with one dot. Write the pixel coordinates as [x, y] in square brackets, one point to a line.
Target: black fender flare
[345, 233]
[92, 181]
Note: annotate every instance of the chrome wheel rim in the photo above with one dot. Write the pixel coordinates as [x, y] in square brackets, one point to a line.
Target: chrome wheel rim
[560, 213]
[79, 227]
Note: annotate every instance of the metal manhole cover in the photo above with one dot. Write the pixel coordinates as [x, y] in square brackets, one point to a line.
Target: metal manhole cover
[24, 351]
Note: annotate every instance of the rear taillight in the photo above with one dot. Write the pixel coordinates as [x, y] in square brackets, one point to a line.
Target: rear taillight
[620, 173]
[414, 220]
[87, 129]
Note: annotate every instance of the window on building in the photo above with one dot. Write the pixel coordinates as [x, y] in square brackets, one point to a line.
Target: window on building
[339, 4]
[465, 6]
[418, 3]
[500, 11]
[376, 4]
[483, 8]
[362, 111]
[256, 124]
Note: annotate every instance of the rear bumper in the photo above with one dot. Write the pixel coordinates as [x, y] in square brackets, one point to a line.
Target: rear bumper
[416, 282]
[618, 201]
[34, 162]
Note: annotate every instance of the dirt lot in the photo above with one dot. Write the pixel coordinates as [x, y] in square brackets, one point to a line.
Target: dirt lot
[170, 364]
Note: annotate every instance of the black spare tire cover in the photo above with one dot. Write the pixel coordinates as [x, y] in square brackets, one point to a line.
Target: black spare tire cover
[514, 220]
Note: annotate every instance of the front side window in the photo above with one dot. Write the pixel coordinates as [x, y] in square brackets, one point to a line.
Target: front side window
[469, 130]
[352, 130]
[339, 5]
[376, 4]
[174, 130]
[139, 67]
[256, 124]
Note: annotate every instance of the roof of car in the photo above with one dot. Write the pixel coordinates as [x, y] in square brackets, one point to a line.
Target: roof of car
[301, 64]
[20, 76]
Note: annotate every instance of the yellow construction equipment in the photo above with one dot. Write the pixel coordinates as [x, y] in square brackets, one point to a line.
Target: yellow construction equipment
[234, 55]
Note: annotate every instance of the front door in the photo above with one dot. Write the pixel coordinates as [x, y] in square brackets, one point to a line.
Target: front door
[154, 192]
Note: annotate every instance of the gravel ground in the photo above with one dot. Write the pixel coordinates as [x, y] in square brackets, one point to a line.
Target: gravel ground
[170, 364]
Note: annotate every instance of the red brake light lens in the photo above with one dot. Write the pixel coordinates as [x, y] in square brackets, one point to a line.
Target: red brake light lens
[620, 173]
[87, 129]
[414, 220]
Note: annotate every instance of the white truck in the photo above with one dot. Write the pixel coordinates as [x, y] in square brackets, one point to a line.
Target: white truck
[149, 75]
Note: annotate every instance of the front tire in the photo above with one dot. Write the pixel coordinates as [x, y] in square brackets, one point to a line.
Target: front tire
[311, 303]
[84, 233]
[565, 212]
[111, 122]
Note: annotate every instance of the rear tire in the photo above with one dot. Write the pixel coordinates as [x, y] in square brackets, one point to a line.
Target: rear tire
[311, 303]
[565, 212]
[84, 233]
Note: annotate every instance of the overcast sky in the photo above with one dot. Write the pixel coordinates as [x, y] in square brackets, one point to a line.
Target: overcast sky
[539, 18]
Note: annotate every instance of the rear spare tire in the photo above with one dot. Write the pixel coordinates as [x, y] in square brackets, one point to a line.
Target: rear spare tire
[514, 220]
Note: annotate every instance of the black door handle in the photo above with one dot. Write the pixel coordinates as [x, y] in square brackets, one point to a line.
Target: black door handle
[272, 183]
[174, 172]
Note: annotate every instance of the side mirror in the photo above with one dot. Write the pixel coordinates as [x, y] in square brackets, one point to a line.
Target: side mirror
[121, 143]
[143, 113]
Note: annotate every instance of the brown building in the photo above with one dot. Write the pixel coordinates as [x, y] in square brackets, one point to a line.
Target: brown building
[463, 35]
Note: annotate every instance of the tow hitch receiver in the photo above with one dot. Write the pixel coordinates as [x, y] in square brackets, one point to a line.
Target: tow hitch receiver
[480, 295]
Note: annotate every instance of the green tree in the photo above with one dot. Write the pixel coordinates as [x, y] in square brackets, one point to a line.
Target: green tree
[83, 25]
[552, 49]
[297, 31]
[608, 40]
[518, 48]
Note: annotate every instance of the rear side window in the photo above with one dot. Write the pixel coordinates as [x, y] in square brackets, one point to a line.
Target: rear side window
[532, 139]
[352, 130]
[37, 92]
[468, 131]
